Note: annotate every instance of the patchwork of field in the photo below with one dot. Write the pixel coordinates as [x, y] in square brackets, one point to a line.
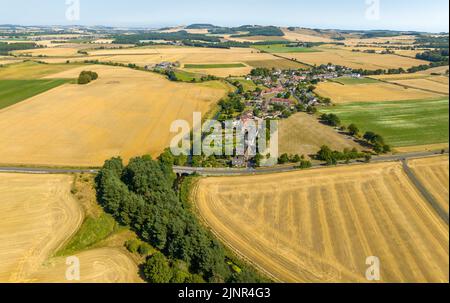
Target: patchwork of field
[282, 48]
[433, 173]
[305, 35]
[37, 216]
[370, 92]
[354, 60]
[279, 63]
[50, 52]
[302, 134]
[124, 113]
[321, 225]
[401, 123]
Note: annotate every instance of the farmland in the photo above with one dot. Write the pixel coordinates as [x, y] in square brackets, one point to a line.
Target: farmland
[434, 174]
[302, 134]
[357, 60]
[13, 91]
[401, 123]
[123, 113]
[282, 48]
[321, 225]
[370, 92]
[38, 215]
[206, 66]
[32, 70]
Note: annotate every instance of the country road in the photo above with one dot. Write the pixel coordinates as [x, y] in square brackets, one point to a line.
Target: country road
[223, 171]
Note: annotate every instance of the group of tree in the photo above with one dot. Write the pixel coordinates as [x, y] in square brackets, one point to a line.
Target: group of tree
[231, 105]
[141, 195]
[261, 72]
[296, 159]
[330, 119]
[377, 141]
[332, 157]
[87, 76]
[440, 55]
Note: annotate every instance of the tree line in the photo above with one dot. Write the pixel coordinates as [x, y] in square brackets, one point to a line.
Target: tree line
[142, 195]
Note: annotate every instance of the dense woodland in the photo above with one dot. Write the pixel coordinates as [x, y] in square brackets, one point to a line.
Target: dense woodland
[142, 196]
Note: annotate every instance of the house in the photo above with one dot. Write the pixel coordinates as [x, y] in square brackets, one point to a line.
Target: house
[281, 101]
[274, 90]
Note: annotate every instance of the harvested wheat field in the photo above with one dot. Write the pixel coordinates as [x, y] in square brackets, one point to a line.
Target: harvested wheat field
[50, 52]
[433, 174]
[38, 215]
[321, 225]
[302, 134]
[434, 84]
[124, 113]
[185, 55]
[102, 265]
[354, 60]
[371, 92]
[305, 35]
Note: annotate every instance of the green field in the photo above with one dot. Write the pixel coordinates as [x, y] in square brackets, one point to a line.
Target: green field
[282, 48]
[355, 81]
[401, 123]
[207, 66]
[91, 232]
[32, 70]
[14, 91]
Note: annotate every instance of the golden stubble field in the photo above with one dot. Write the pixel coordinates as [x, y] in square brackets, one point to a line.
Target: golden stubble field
[356, 60]
[38, 215]
[302, 134]
[321, 225]
[124, 113]
[433, 173]
[371, 92]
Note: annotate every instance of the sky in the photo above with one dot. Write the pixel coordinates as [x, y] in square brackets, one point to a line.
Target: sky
[417, 15]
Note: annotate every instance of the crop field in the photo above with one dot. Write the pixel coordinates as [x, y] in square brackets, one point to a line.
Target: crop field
[282, 48]
[50, 52]
[124, 113]
[302, 134]
[354, 60]
[37, 215]
[435, 84]
[13, 91]
[354, 81]
[370, 92]
[206, 66]
[276, 63]
[305, 35]
[433, 173]
[321, 225]
[401, 123]
[32, 70]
